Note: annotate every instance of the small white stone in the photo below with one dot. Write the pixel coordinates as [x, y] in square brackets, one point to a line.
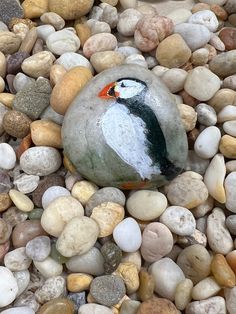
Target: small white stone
[8, 287]
[63, 41]
[219, 238]
[91, 263]
[17, 260]
[93, 308]
[159, 70]
[201, 83]
[146, 205]
[210, 306]
[206, 18]
[230, 183]
[230, 297]
[43, 31]
[19, 310]
[195, 163]
[53, 193]
[127, 235]
[214, 178]
[49, 267]
[26, 183]
[207, 143]
[52, 288]
[174, 79]
[136, 59]
[205, 289]
[127, 4]
[7, 156]
[127, 22]
[38, 248]
[230, 127]
[23, 279]
[179, 15]
[206, 114]
[195, 35]
[127, 51]
[228, 113]
[71, 59]
[179, 220]
[167, 275]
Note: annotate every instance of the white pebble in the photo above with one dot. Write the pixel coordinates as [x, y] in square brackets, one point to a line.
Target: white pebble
[49, 267]
[206, 114]
[230, 297]
[230, 127]
[210, 306]
[8, 287]
[71, 59]
[228, 113]
[207, 143]
[7, 156]
[23, 279]
[127, 235]
[53, 193]
[136, 59]
[63, 41]
[44, 31]
[19, 310]
[206, 288]
[127, 22]
[230, 183]
[174, 79]
[17, 260]
[206, 18]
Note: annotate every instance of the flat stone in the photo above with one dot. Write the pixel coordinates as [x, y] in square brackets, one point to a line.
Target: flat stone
[120, 170]
[33, 98]
[38, 248]
[223, 64]
[10, 9]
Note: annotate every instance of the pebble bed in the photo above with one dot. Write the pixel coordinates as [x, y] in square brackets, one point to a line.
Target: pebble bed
[68, 246]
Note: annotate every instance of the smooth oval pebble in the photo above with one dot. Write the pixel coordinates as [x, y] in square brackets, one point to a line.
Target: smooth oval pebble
[179, 220]
[211, 305]
[63, 41]
[94, 309]
[127, 235]
[23, 280]
[58, 305]
[53, 19]
[230, 191]
[38, 248]
[8, 287]
[230, 127]
[157, 241]
[60, 211]
[167, 275]
[206, 114]
[91, 262]
[48, 267]
[43, 31]
[70, 60]
[207, 143]
[52, 193]
[7, 156]
[21, 201]
[83, 190]
[40, 160]
[46, 133]
[19, 310]
[146, 205]
[17, 260]
[206, 288]
[99, 42]
[183, 294]
[222, 271]
[78, 236]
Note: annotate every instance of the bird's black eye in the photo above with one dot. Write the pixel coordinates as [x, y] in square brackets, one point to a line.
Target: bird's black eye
[122, 84]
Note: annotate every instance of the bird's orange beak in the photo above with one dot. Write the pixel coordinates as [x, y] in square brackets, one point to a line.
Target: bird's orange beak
[108, 91]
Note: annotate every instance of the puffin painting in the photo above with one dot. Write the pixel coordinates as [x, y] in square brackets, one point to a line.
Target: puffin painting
[132, 130]
[124, 130]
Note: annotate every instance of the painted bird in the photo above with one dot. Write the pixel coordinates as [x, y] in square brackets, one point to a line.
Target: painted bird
[132, 130]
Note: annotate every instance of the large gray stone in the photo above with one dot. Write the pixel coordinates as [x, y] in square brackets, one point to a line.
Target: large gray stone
[130, 141]
[10, 9]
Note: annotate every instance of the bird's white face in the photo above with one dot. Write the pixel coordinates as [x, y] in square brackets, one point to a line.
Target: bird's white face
[128, 88]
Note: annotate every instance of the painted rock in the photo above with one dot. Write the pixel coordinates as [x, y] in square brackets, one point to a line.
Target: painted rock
[124, 130]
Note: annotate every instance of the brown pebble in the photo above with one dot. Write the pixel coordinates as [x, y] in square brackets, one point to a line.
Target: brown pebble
[44, 184]
[157, 306]
[5, 231]
[147, 285]
[192, 136]
[57, 306]
[26, 231]
[29, 40]
[46, 133]
[222, 272]
[200, 7]
[13, 216]
[10, 78]
[15, 60]
[16, 20]
[83, 31]
[5, 201]
[38, 46]
[187, 99]
[24, 145]
[219, 11]
[228, 36]
[16, 123]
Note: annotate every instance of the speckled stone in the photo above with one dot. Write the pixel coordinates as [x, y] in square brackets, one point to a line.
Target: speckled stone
[82, 133]
[16, 123]
[34, 98]
[107, 290]
[112, 256]
[78, 299]
[10, 9]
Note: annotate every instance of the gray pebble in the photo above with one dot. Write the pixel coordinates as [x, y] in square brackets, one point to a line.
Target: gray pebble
[53, 287]
[5, 182]
[112, 256]
[10, 9]
[3, 110]
[231, 224]
[108, 194]
[27, 298]
[13, 216]
[107, 290]
[78, 299]
[206, 114]
[33, 98]
[50, 114]
[39, 248]
[21, 81]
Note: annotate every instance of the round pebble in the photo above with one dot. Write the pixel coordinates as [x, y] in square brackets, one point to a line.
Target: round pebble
[206, 115]
[52, 193]
[7, 156]
[9, 288]
[206, 18]
[127, 235]
[17, 260]
[207, 143]
[23, 280]
[21, 201]
[94, 309]
[49, 267]
[51, 289]
[99, 42]
[38, 249]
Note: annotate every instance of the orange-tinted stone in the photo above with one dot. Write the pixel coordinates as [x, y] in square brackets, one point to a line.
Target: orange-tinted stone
[222, 272]
[157, 306]
[57, 306]
[147, 285]
[231, 259]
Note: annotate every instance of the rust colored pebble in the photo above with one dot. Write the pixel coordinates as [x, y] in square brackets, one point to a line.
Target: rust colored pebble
[26, 231]
[222, 272]
[147, 285]
[24, 145]
[219, 11]
[157, 306]
[228, 36]
[16, 123]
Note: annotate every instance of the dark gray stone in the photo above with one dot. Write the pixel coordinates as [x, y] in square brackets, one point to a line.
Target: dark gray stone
[112, 256]
[34, 98]
[231, 224]
[10, 9]
[107, 290]
[78, 299]
[15, 60]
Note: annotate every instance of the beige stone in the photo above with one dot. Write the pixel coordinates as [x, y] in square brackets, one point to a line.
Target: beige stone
[108, 215]
[7, 99]
[157, 305]
[53, 19]
[29, 40]
[34, 8]
[206, 288]
[9, 42]
[68, 87]
[188, 116]
[46, 133]
[5, 201]
[3, 65]
[99, 42]
[222, 272]
[78, 282]
[39, 64]
[129, 273]
[21, 201]
[111, 2]
[83, 190]
[223, 98]
[70, 9]
[57, 72]
[106, 59]
[173, 52]
[2, 84]
[228, 146]
[183, 294]
[83, 31]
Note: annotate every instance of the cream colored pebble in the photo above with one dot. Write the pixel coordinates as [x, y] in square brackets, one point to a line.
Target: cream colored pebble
[21, 201]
